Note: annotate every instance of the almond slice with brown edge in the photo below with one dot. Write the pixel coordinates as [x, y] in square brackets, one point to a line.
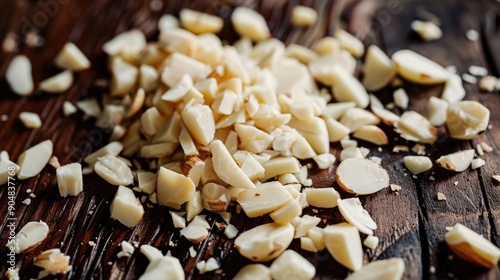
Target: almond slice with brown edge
[344, 244]
[372, 134]
[466, 119]
[354, 213]
[418, 69]
[361, 176]
[388, 269]
[414, 127]
[458, 161]
[378, 71]
[30, 235]
[215, 197]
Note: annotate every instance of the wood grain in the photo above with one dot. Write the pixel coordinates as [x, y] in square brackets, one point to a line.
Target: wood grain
[411, 224]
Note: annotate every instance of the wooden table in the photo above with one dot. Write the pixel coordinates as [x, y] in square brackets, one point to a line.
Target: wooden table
[411, 224]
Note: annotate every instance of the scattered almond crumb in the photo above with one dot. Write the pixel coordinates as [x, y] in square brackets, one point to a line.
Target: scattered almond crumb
[28, 191]
[432, 178]
[487, 148]
[192, 252]
[395, 188]
[497, 178]
[32, 195]
[440, 196]
[400, 148]
[455, 183]
[91, 243]
[472, 35]
[432, 270]
[27, 201]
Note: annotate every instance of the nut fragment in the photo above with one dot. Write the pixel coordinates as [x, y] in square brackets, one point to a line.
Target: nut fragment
[291, 265]
[390, 269]
[264, 242]
[453, 89]
[372, 134]
[177, 220]
[414, 127]
[361, 176]
[303, 16]
[488, 83]
[199, 121]
[378, 71]
[30, 120]
[173, 189]
[53, 262]
[466, 119]
[263, 199]
[114, 170]
[354, 213]
[436, 111]
[458, 161]
[199, 23]
[30, 235]
[324, 161]
[472, 247]
[347, 88]
[321, 197]
[355, 118]
[427, 30]
[401, 98]
[71, 57]
[215, 197]
[418, 69]
[226, 168]
[126, 208]
[371, 242]
[69, 179]
[34, 159]
[58, 83]
[287, 212]
[7, 169]
[304, 224]
[147, 181]
[69, 109]
[194, 233]
[18, 75]
[350, 43]
[417, 164]
[113, 148]
[477, 162]
[151, 252]
[165, 267]
[249, 23]
[379, 110]
[344, 244]
[253, 271]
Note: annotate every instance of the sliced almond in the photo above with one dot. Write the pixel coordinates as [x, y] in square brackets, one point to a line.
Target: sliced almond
[292, 263]
[249, 23]
[417, 164]
[347, 88]
[303, 16]
[280, 165]
[113, 148]
[166, 265]
[477, 163]
[263, 199]
[379, 110]
[199, 23]
[322, 197]
[253, 271]
[418, 69]
[393, 268]
[18, 75]
[114, 170]
[215, 197]
[226, 168]
[30, 120]
[466, 119]
[378, 71]
[70, 179]
[372, 134]
[458, 161]
[173, 189]
[199, 121]
[264, 242]
[344, 244]
[287, 212]
[361, 176]
[472, 247]
[126, 208]
[354, 213]
[71, 57]
[30, 236]
[427, 30]
[53, 262]
[33, 160]
[58, 83]
[401, 98]
[414, 127]
[436, 111]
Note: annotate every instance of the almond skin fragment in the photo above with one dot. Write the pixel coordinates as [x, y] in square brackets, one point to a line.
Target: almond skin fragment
[361, 176]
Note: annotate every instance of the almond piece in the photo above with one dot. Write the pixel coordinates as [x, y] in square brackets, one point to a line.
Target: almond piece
[436, 111]
[344, 244]
[113, 148]
[336, 130]
[126, 208]
[392, 268]
[194, 233]
[354, 213]
[453, 90]
[147, 181]
[401, 98]
[69, 109]
[321, 197]
[30, 120]
[304, 224]
[215, 197]
[7, 169]
[378, 71]
[114, 170]
[70, 179]
[379, 110]
[148, 77]
[314, 131]
[417, 164]
[30, 236]
[127, 44]
[199, 121]
[280, 165]
[58, 83]
[226, 168]
[123, 78]
[264, 242]
[71, 57]
[33, 160]
[326, 45]
[427, 30]
[350, 43]
[371, 242]
[291, 264]
[361, 176]
[418, 69]
[458, 161]
[472, 247]
[355, 118]
[286, 213]
[249, 23]
[161, 267]
[466, 119]
[414, 127]
[199, 23]
[253, 271]
[18, 75]
[372, 134]
[347, 88]
[322, 68]
[477, 163]
[151, 252]
[177, 220]
[301, 53]
[263, 199]
[324, 161]
[173, 189]
[303, 16]
[53, 262]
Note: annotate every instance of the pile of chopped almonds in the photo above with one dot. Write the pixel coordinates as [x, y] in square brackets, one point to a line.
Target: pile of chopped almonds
[200, 125]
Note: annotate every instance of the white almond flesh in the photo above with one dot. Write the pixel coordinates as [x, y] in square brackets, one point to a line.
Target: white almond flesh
[401, 98]
[466, 119]
[458, 161]
[303, 16]
[114, 170]
[316, 236]
[378, 71]
[361, 176]
[427, 30]
[195, 234]
[322, 197]
[265, 242]
[177, 220]
[18, 75]
[418, 69]
[336, 130]
[326, 45]
[287, 212]
[354, 213]
[148, 77]
[372, 134]
[291, 264]
[436, 111]
[253, 139]
[305, 224]
[355, 118]
[472, 247]
[30, 235]
[344, 244]
[30, 120]
[123, 76]
[167, 267]
[389, 269]
[280, 165]
[263, 199]
[177, 92]
[307, 244]
[200, 221]
[379, 110]
[127, 44]
[113, 148]
[151, 252]
[477, 163]
[253, 271]
[173, 189]
[226, 168]
[7, 169]
[414, 127]
[69, 109]
[252, 168]
[34, 159]
[324, 161]
[300, 53]
[417, 164]
[199, 121]
[178, 64]
[322, 68]
[314, 131]
[71, 57]
[249, 23]
[350, 152]
[199, 23]
[58, 83]
[371, 242]
[147, 181]
[53, 262]
[70, 179]
[453, 90]
[90, 107]
[215, 197]
[194, 206]
[347, 88]
[126, 208]
[230, 231]
[350, 43]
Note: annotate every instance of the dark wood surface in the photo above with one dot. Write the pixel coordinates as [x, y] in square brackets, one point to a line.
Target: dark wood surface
[411, 224]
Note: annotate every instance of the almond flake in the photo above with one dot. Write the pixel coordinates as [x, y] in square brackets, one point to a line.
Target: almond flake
[361, 176]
